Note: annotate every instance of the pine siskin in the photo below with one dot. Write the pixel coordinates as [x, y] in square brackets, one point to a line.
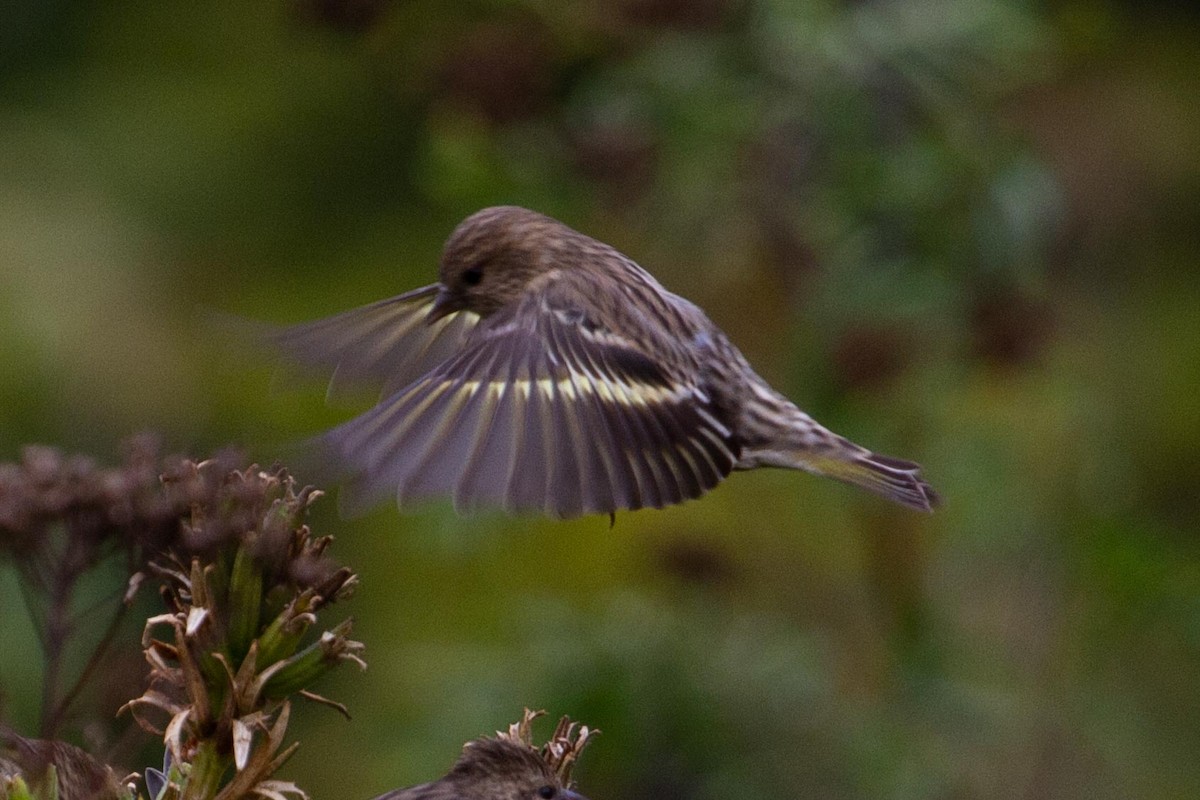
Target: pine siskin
[77, 774]
[548, 372]
[493, 769]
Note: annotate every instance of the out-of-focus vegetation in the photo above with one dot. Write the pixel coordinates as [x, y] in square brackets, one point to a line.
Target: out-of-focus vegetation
[243, 580]
[960, 232]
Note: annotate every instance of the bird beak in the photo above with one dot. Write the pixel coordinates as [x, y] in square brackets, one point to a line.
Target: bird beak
[569, 795]
[443, 305]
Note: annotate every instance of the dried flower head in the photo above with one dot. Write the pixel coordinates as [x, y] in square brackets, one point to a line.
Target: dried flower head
[243, 585]
[97, 508]
[561, 750]
[61, 516]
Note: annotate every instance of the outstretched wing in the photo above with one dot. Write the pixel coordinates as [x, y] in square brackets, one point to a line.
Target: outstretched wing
[387, 344]
[542, 410]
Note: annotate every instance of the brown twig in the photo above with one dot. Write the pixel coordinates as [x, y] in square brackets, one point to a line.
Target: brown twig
[58, 631]
[97, 655]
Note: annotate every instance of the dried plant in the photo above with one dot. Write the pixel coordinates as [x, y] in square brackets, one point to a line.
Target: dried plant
[237, 640]
[243, 580]
[561, 750]
[62, 516]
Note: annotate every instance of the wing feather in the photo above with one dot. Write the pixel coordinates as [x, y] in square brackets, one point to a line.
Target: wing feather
[385, 345]
[590, 442]
[564, 491]
[489, 466]
[536, 411]
[527, 486]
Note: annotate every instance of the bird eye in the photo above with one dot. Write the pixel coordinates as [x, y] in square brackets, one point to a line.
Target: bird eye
[472, 276]
[547, 792]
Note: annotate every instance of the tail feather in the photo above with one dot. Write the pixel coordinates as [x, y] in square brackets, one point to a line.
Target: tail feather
[896, 479]
[775, 433]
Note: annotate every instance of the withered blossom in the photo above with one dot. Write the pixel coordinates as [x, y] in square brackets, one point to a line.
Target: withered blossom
[98, 509]
[237, 640]
[61, 516]
[561, 750]
[243, 579]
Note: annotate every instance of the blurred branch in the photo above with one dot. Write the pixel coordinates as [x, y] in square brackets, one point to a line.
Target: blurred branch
[53, 720]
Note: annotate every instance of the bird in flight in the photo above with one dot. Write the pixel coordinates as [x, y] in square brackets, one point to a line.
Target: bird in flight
[547, 372]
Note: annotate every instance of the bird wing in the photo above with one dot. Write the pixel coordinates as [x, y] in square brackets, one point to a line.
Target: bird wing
[386, 344]
[541, 410]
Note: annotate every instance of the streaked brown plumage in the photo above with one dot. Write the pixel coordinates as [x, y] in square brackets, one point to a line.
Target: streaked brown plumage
[548, 372]
[492, 769]
[77, 774]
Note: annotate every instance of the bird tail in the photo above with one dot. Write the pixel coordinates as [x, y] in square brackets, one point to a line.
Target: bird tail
[781, 435]
[896, 479]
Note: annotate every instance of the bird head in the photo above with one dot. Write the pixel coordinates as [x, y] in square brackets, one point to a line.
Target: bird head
[492, 256]
[501, 769]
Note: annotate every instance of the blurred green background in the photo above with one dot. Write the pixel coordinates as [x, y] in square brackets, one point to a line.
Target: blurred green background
[959, 232]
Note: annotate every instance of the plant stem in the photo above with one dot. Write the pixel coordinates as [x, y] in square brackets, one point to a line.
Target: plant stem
[204, 778]
[57, 632]
[98, 653]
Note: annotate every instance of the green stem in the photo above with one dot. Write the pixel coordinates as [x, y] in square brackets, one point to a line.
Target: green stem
[245, 601]
[204, 778]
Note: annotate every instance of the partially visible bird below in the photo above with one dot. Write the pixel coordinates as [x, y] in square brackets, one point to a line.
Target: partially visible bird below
[493, 769]
[547, 372]
[76, 775]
